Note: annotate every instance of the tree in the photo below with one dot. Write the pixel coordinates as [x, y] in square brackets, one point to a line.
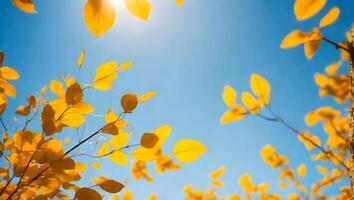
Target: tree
[69, 109]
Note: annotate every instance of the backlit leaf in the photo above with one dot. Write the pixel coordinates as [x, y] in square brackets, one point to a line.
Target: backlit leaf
[305, 9]
[147, 96]
[119, 158]
[302, 170]
[187, 150]
[81, 58]
[330, 17]
[8, 73]
[229, 96]
[139, 8]
[104, 149]
[99, 16]
[105, 75]
[125, 66]
[260, 87]
[25, 5]
[236, 114]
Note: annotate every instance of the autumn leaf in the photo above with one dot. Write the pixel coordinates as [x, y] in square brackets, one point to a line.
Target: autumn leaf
[302, 170]
[104, 148]
[111, 186]
[229, 96]
[330, 17]
[74, 94]
[96, 165]
[25, 5]
[81, 58]
[147, 96]
[139, 8]
[110, 128]
[260, 87]
[305, 9]
[119, 158]
[233, 115]
[187, 150]
[8, 73]
[294, 39]
[105, 75]
[129, 102]
[99, 16]
[87, 194]
[149, 140]
[125, 66]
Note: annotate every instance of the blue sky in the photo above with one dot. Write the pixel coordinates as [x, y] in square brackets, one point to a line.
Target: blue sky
[187, 55]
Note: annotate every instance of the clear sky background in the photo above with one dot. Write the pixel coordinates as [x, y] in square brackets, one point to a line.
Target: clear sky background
[187, 55]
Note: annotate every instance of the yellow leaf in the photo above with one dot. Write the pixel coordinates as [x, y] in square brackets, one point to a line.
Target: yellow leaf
[246, 183]
[149, 140]
[104, 149]
[119, 158]
[8, 73]
[293, 39]
[110, 116]
[25, 5]
[125, 66]
[305, 9]
[311, 48]
[144, 154]
[187, 150]
[333, 68]
[251, 103]
[129, 102]
[67, 140]
[330, 17]
[147, 96]
[179, 2]
[99, 16]
[153, 196]
[322, 170]
[80, 167]
[111, 186]
[139, 8]
[81, 58]
[302, 170]
[260, 87]
[217, 173]
[236, 114]
[293, 196]
[73, 120]
[57, 88]
[74, 94]
[26, 140]
[81, 108]
[87, 194]
[96, 165]
[120, 140]
[163, 132]
[229, 96]
[8, 88]
[105, 75]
